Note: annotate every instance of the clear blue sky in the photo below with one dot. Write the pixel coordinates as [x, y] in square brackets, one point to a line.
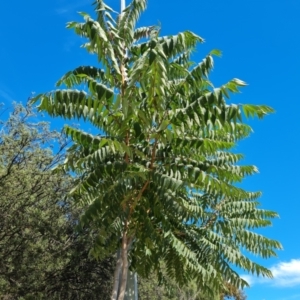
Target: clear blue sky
[260, 41]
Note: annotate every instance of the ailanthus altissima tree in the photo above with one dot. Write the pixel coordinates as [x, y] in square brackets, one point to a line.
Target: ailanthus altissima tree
[159, 177]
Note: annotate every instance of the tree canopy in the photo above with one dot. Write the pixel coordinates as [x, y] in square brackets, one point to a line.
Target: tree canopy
[150, 290]
[42, 255]
[158, 175]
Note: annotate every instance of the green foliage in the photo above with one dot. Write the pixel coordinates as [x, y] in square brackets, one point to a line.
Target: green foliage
[41, 254]
[161, 173]
[150, 290]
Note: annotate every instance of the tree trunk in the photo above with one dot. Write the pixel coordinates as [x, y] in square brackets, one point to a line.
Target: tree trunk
[116, 285]
[125, 240]
[124, 256]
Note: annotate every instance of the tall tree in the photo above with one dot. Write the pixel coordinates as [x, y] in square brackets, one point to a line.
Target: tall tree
[41, 254]
[159, 176]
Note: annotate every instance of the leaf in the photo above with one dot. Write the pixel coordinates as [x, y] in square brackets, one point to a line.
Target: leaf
[216, 52]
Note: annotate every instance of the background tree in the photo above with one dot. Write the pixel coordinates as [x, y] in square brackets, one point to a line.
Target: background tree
[41, 254]
[158, 178]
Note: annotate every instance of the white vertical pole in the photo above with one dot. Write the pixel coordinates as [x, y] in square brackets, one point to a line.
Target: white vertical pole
[122, 5]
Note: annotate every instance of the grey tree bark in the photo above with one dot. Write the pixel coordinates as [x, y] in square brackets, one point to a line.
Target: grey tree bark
[125, 282]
